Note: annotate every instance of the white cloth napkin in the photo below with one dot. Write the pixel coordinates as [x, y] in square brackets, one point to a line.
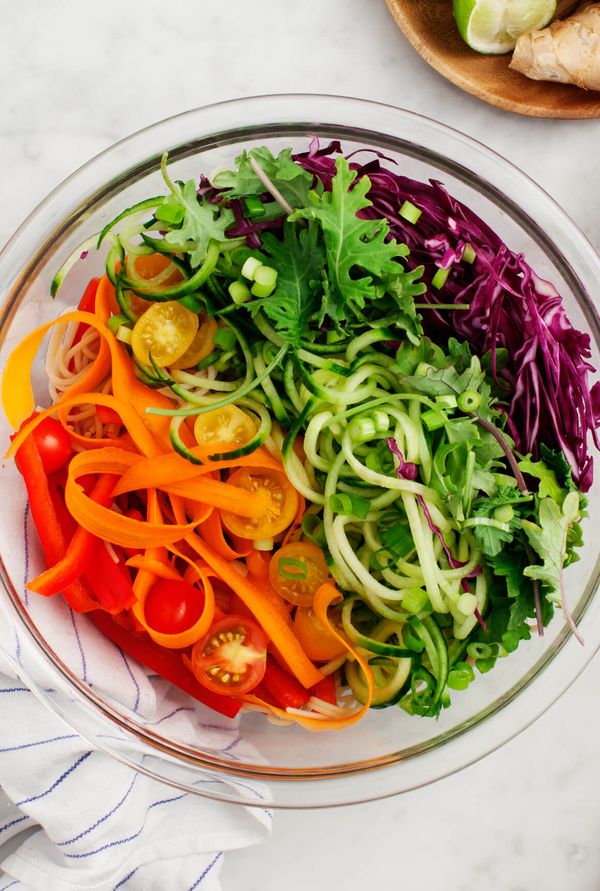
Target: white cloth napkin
[102, 825]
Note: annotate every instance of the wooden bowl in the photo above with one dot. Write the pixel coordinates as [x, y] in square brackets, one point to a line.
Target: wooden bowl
[429, 25]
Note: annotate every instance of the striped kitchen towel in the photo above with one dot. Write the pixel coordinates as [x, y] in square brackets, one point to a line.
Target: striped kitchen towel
[101, 824]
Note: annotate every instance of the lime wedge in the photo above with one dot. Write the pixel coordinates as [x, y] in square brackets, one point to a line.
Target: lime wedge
[493, 26]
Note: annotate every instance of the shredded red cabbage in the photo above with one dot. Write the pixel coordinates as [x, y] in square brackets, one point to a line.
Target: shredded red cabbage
[510, 307]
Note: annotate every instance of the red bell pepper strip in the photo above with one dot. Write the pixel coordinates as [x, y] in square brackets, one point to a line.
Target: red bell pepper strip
[110, 582]
[165, 663]
[283, 687]
[43, 498]
[51, 537]
[80, 551]
[325, 690]
[87, 304]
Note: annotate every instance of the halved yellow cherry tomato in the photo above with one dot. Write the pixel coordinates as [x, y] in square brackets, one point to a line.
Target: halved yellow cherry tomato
[201, 346]
[297, 570]
[166, 330]
[227, 426]
[149, 266]
[276, 503]
[316, 641]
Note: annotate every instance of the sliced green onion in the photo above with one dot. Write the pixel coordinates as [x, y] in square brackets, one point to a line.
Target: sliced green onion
[410, 212]
[433, 419]
[255, 209]
[239, 292]
[469, 254]
[504, 513]
[225, 338]
[460, 676]
[264, 544]
[362, 429]
[439, 279]
[480, 650]
[193, 303]
[115, 322]
[381, 420]
[298, 569]
[265, 279]
[469, 401]
[446, 401]
[350, 505]
[250, 267]
[124, 334]
[415, 600]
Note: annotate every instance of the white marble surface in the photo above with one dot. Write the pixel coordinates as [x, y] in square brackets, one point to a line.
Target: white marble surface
[75, 77]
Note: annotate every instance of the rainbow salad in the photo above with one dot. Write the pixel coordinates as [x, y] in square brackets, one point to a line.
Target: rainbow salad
[317, 442]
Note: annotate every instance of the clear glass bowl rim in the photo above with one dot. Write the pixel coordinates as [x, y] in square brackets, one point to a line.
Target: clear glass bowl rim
[496, 175]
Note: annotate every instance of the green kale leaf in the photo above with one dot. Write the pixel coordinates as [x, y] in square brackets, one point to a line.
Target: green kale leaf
[359, 251]
[199, 221]
[299, 260]
[290, 178]
[548, 539]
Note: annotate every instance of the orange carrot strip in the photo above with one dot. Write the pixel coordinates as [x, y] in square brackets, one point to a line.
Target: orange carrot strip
[112, 358]
[145, 579]
[212, 533]
[138, 431]
[324, 597]
[258, 563]
[271, 620]
[172, 468]
[221, 495]
[105, 523]
[156, 567]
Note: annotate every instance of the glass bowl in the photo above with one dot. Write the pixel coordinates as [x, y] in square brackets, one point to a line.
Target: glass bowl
[108, 699]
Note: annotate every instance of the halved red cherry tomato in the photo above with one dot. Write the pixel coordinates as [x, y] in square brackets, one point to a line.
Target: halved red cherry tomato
[232, 657]
[172, 606]
[53, 444]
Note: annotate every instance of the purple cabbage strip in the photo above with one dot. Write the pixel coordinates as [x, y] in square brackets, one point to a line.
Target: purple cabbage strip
[510, 307]
[406, 470]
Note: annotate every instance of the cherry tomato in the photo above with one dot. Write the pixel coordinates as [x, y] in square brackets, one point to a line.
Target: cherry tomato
[227, 426]
[297, 570]
[148, 266]
[201, 346]
[53, 444]
[276, 504]
[232, 657]
[314, 638]
[172, 606]
[108, 415]
[166, 331]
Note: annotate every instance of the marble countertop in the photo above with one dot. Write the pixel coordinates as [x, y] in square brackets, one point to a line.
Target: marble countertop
[76, 77]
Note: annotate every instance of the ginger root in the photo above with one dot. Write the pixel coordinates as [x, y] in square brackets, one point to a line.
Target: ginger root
[566, 51]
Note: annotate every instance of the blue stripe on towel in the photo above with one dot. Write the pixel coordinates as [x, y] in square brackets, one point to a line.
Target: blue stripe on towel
[126, 879]
[102, 819]
[14, 823]
[123, 841]
[206, 871]
[57, 782]
[41, 742]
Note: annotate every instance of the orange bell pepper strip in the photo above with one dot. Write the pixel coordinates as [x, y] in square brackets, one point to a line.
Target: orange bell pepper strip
[272, 622]
[79, 552]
